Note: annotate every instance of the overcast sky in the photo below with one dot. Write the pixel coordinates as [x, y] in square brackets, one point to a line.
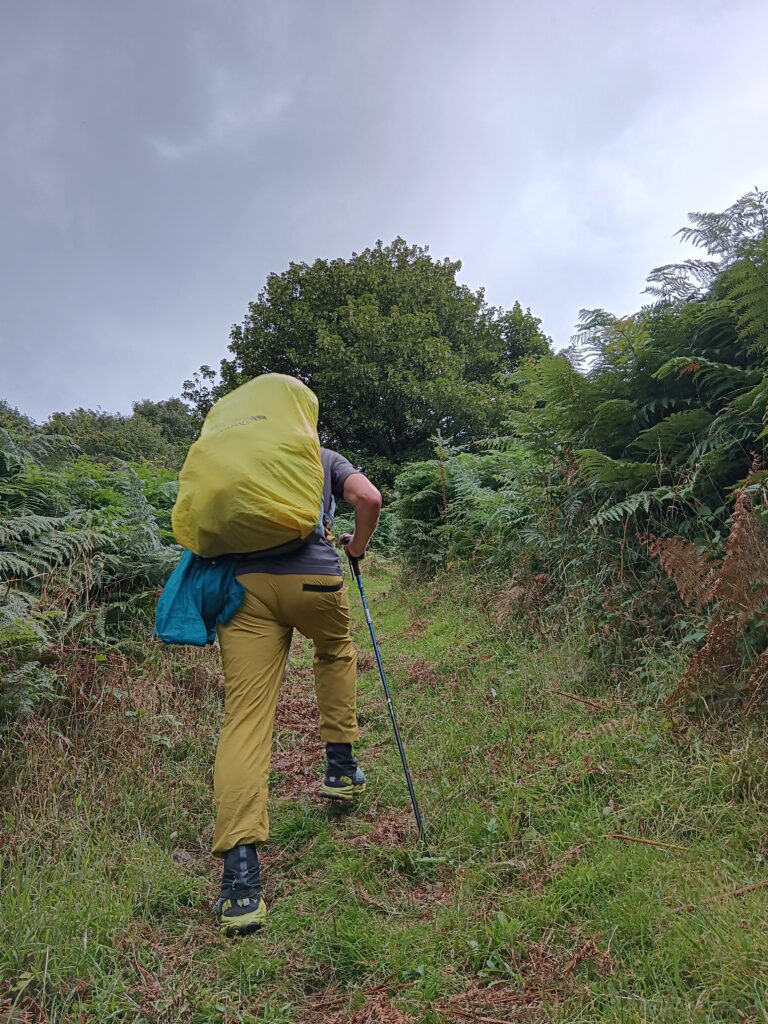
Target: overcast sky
[160, 157]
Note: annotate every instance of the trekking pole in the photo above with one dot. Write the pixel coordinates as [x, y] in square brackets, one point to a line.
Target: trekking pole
[354, 564]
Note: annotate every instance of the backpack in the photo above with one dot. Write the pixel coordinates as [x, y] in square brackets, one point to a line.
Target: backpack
[253, 480]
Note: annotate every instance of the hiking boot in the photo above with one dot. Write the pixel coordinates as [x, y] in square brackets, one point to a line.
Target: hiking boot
[240, 916]
[343, 779]
[240, 908]
[342, 787]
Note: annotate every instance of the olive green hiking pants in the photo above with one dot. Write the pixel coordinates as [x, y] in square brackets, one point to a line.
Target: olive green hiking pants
[254, 650]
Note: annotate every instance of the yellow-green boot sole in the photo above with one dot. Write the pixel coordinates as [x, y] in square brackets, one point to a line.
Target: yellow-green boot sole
[235, 918]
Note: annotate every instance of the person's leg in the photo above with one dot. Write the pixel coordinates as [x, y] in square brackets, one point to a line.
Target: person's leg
[319, 608]
[240, 908]
[254, 649]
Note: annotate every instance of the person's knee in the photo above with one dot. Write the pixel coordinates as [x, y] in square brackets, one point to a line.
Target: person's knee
[342, 651]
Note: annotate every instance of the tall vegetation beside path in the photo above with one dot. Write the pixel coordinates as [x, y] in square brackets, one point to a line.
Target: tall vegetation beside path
[157, 431]
[84, 547]
[648, 433]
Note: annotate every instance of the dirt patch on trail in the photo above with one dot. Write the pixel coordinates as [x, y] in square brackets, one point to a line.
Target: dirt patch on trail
[392, 828]
[416, 628]
[365, 661]
[423, 673]
[299, 755]
[429, 897]
[378, 1009]
[300, 752]
[547, 978]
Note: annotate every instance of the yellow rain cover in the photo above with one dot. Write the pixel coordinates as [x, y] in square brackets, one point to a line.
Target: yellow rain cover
[253, 480]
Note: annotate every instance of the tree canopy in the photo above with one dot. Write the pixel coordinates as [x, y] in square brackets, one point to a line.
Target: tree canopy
[393, 345]
[158, 431]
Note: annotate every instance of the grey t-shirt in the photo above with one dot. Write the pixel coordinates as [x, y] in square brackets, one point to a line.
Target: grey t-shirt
[320, 558]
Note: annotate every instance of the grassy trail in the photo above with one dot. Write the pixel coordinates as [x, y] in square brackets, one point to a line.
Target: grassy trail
[549, 903]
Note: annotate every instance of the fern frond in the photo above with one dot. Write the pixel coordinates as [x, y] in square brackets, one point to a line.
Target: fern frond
[717, 661]
[719, 379]
[726, 234]
[691, 568]
[18, 448]
[743, 578]
[27, 527]
[641, 501]
[661, 403]
[712, 468]
[729, 430]
[682, 282]
[601, 471]
[749, 286]
[756, 686]
[730, 236]
[15, 567]
[753, 401]
[614, 419]
[675, 433]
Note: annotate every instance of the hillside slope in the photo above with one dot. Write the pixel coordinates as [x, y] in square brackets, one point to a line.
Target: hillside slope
[544, 785]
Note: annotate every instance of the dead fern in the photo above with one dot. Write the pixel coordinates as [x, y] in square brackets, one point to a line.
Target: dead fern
[737, 589]
[718, 660]
[690, 567]
[756, 686]
[743, 577]
[527, 596]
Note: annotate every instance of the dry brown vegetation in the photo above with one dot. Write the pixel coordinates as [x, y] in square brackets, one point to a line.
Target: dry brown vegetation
[735, 590]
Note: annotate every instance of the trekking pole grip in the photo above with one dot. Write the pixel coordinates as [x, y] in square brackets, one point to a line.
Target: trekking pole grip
[353, 562]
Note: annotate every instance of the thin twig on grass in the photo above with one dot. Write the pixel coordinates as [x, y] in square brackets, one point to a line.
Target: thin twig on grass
[723, 896]
[495, 1001]
[646, 842]
[335, 1000]
[582, 700]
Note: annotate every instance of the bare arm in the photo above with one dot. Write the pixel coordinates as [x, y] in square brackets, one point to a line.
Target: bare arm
[365, 499]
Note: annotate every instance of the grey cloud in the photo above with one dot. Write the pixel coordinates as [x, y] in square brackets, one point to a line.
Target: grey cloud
[161, 159]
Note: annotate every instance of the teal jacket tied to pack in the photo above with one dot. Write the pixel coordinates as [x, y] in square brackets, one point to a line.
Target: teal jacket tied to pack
[200, 593]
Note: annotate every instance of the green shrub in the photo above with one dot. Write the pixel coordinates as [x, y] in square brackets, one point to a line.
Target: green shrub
[83, 547]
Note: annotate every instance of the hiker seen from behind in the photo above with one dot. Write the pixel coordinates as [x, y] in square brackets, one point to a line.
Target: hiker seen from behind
[257, 481]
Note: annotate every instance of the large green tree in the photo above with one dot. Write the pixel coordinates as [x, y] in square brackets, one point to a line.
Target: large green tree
[395, 348]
